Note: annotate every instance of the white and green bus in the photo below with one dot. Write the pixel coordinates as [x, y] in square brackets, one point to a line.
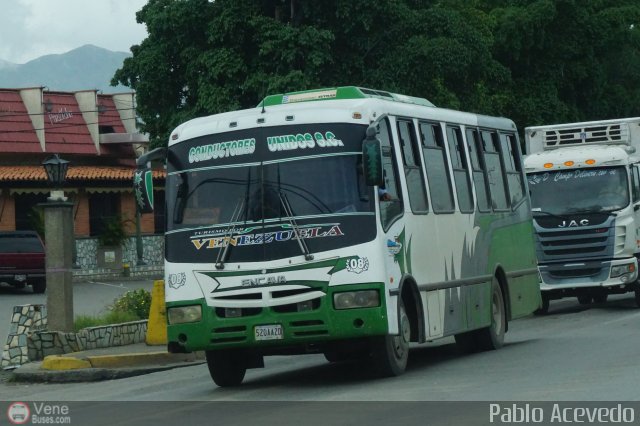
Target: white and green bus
[343, 221]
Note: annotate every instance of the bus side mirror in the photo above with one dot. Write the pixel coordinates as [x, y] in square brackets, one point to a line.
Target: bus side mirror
[372, 158]
[143, 190]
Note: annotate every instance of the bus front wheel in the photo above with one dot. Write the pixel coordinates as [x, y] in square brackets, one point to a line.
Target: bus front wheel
[390, 353]
[226, 367]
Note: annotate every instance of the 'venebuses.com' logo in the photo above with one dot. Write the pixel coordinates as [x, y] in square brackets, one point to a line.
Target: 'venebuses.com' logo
[18, 413]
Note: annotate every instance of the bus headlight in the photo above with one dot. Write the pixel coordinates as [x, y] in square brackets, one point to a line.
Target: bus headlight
[356, 299]
[619, 270]
[184, 314]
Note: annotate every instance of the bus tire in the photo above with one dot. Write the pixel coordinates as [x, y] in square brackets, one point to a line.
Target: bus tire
[492, 337]
[226, 367]
[390, 353]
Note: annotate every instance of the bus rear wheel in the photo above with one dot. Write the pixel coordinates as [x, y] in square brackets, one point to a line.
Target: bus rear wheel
[492, 337]
[226, 367]
[390, 353]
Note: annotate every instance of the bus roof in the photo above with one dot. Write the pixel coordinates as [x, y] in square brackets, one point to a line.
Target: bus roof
[333, 93]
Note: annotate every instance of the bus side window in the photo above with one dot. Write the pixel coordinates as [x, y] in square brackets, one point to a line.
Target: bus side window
[478, 167]
[495, 169]
[393, 207]
[513, 167]
[636, 183]
[435, 159]
[460, 169]
[412, 167]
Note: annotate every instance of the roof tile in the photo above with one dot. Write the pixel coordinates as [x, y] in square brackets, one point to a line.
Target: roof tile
[75, 173]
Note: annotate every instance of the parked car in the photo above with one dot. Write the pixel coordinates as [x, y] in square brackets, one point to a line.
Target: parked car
[22, 260]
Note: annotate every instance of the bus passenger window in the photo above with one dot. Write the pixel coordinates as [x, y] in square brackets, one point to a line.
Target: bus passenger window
[412, 167]
[478, 167]
[460, 169]
[495, 170]
[435, 158]
[513, 167]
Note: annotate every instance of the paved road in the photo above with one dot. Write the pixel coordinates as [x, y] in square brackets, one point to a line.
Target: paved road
[89, 298]
[573, 354]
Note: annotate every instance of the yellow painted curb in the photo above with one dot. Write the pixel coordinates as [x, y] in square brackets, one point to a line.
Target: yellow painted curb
[157, 324]
[56, 362]
[129, 360]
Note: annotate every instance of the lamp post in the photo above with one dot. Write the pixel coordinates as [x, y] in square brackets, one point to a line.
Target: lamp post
[58, 225]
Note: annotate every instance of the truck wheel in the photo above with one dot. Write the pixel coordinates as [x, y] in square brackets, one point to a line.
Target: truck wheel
[492, 337]
[390, 353]
[600, 296]
[467, 342]
[226, 367]
[637, 292]
[584, 299]
[544, 309]
[39, 286]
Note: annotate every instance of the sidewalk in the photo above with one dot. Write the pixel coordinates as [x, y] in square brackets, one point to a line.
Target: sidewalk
[104, 364]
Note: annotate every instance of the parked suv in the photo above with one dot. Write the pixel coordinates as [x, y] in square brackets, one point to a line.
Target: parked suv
[22, 260]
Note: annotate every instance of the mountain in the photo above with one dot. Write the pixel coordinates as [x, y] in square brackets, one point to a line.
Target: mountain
[85, 68]
[6, 64]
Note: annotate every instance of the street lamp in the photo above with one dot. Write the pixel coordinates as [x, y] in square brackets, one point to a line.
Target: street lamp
[56, 169]
[58, 229]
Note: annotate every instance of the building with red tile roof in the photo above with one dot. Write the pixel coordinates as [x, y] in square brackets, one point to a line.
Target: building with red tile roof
[96, 133]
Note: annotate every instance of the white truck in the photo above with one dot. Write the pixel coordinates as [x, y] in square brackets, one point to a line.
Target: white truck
[584, 183]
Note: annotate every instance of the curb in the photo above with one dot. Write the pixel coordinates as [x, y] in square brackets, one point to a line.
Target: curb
[66, 362]
[67, 369]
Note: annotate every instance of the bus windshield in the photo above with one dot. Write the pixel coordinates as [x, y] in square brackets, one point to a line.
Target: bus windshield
[595, 190]
[256, 189]
[312, 186]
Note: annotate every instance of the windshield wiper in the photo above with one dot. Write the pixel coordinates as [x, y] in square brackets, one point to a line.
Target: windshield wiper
[228, 234]
[296, 229]
[545, 213]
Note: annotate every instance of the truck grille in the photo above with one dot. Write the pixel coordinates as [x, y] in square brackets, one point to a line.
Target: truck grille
[562, 244]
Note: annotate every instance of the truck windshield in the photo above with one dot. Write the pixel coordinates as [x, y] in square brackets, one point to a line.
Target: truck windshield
[560, 192]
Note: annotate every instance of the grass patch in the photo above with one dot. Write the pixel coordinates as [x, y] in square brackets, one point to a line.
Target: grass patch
[111, 317]
[134, 305]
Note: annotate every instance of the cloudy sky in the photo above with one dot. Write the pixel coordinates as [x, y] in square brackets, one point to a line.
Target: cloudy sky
[33, 28]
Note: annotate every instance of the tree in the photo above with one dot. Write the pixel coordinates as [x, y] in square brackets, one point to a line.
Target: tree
[570, 60]
[206, 57]
[535, 61]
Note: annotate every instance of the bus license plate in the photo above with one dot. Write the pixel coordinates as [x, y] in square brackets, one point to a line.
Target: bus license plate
[269, 332]
[20, 278]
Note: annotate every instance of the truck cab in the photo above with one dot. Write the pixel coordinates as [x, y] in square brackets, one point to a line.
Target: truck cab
[585, 195]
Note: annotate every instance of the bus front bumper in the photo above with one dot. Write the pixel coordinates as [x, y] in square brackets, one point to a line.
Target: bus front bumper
[277, 328]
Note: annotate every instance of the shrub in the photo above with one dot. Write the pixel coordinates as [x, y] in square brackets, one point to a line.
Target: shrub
[136, 302]
[113, 232]
[112, 317]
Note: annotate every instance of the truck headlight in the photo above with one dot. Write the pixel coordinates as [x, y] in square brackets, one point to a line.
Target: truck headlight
[356, 299]
[184, 314]
[619, 270]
